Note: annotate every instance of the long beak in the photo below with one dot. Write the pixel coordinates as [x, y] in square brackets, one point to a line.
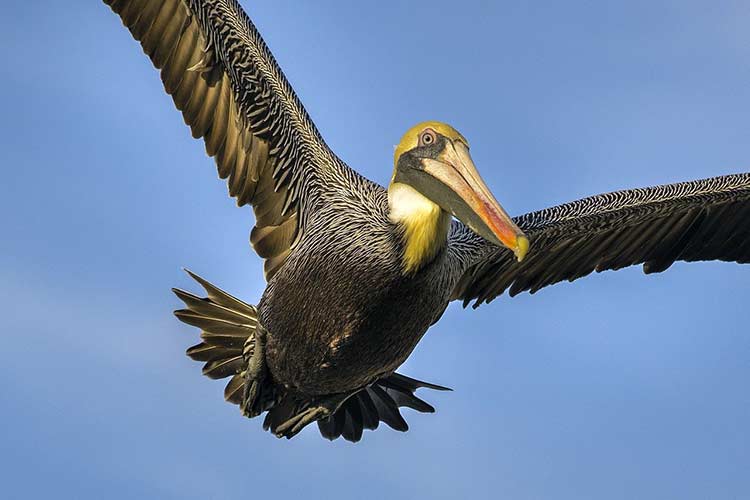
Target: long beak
[470, 201]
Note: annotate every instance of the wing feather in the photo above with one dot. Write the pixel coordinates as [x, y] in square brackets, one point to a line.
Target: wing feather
[232, 93]
[691, 221]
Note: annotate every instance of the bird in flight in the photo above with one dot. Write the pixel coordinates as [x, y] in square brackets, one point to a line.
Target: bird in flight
[356, 273]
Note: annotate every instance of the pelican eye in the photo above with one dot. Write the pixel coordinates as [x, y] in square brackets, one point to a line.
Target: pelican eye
[427, 138]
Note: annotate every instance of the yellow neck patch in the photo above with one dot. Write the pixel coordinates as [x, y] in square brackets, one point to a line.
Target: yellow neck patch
[425, 225]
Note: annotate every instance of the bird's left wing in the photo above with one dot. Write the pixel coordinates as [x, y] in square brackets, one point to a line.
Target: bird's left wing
[232, 93]
[691, 221]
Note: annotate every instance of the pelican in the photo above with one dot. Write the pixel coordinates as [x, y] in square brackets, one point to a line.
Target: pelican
[356, 273]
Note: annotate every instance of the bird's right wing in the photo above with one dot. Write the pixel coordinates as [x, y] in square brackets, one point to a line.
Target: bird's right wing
[691, 221]
[232, 93]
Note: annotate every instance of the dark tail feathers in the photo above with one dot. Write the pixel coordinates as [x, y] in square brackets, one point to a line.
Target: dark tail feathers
[379, 402]
[228, 334]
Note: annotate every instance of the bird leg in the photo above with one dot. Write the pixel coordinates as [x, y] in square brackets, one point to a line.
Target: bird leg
[253, 400]
[317, 409]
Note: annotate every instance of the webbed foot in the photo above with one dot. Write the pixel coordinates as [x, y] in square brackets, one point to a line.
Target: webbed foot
[318, 409]
[253, 400]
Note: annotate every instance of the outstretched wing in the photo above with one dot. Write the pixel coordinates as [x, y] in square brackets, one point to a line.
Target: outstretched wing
[232, 93]
[691, 221]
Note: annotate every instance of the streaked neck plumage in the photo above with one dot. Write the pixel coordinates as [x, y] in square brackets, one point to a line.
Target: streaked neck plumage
[425, 225]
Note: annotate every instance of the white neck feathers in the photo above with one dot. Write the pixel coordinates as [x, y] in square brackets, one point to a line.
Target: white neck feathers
[425, 225]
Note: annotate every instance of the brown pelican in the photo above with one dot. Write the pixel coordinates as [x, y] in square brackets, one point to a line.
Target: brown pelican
[357, 273]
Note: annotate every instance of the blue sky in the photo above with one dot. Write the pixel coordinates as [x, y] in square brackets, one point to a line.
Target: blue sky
[616, 386]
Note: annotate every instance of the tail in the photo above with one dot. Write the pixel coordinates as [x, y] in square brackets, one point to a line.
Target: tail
[228, 331]
[380, 402]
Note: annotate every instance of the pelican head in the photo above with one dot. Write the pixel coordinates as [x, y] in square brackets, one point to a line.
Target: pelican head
[434, 173]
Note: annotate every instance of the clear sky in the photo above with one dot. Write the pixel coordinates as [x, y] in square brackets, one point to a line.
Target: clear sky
[617, 386]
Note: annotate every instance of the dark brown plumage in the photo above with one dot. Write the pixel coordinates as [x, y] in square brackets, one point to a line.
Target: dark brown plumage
[344, 307]
[691, 221]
